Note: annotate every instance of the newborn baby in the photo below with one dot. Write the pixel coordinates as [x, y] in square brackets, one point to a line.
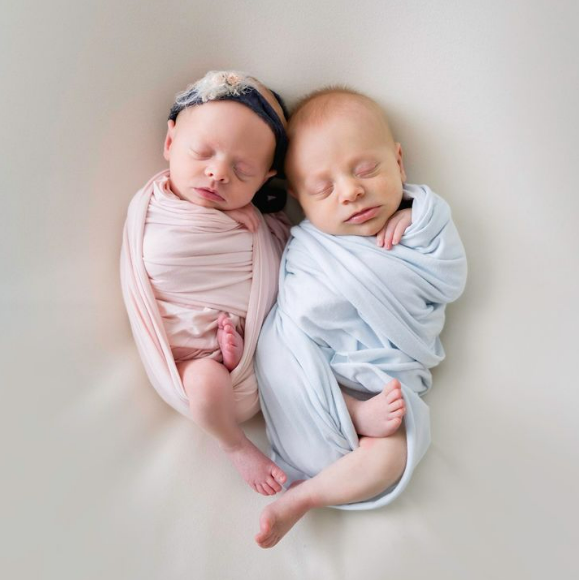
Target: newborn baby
[200, 263]
[346, 352]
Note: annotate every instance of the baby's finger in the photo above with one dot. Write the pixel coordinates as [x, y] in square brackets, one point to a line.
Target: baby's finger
[390, 233]
[380, 238]
[399, 231]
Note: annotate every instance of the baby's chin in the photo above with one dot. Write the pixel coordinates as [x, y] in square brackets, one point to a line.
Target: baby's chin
[367, 229]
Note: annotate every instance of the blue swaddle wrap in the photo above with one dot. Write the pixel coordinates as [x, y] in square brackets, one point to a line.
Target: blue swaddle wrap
[353, 314]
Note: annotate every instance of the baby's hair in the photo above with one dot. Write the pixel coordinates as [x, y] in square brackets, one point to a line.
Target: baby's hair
[319, 105]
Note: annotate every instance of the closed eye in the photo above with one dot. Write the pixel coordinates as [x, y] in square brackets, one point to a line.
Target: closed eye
[367, 170]
[324, 191]
[243, 171]
[201, 153]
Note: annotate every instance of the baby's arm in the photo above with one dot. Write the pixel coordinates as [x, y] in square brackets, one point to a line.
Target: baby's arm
[246, 216]
[394, 229]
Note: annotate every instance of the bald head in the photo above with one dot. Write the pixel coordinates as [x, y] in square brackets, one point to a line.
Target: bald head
[324, 104]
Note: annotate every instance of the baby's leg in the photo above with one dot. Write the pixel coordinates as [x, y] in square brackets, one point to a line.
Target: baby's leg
[230, 342]
[362, 474]
[208, 387]
[381, 415]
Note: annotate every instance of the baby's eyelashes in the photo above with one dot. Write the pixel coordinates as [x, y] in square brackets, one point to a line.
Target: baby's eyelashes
[326, 191]
[201, 153]
[243, 171]
[320, 189]
[366, 170]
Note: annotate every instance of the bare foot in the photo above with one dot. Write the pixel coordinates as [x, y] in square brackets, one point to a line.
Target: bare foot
[381, 415]
[262, 474]
[230, 342]
[278, 518]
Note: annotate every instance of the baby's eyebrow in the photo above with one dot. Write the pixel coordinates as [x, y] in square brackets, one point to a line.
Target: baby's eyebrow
[245, 161]
[366, 158]
[317, 176]
[196, 143]
[316, 182]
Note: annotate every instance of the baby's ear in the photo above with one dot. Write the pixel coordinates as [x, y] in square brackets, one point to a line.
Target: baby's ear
[400, 162]
[169, 138]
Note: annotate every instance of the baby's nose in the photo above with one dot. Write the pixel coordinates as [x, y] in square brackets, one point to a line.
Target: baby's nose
[217, 172]
[351, 190]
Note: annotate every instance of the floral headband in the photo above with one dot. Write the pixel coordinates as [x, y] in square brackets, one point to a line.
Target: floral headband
[239, 87]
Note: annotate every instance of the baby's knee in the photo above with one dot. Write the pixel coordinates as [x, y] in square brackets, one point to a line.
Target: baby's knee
[203, 382]
[388, 454]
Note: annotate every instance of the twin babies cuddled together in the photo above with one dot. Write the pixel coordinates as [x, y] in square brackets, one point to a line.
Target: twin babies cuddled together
[342, 357]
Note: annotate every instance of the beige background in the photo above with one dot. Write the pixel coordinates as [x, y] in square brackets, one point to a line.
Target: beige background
[100, 478]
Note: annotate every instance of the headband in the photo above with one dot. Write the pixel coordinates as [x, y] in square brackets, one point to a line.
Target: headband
[238, 87]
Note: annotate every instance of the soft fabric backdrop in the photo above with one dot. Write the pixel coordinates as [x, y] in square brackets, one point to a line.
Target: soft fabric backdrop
[101, 479]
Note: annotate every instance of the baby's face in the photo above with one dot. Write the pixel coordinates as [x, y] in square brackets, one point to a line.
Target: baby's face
[346, 173]
[219, 153]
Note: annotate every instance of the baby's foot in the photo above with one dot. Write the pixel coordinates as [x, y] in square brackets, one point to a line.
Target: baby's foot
[262, 474]
[381, 415]
[230, 342]
[278, 518]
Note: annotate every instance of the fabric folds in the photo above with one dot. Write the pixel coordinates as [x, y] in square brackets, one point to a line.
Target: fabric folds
[353, 314]
[174, 280]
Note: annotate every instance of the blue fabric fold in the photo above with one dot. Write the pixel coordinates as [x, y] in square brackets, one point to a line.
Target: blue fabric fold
[353, 315]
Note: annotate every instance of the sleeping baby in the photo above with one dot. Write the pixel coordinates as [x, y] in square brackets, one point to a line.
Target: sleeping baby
[345, 354]
[199, 263]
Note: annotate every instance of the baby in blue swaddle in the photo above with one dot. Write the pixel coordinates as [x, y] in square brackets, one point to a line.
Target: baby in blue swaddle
[344, 356]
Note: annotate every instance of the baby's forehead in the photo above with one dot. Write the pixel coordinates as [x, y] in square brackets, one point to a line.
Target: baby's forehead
[332, 106]
[213, 115]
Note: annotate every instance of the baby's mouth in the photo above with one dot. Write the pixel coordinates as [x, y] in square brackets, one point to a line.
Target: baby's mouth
[363, 216]
[208, 193]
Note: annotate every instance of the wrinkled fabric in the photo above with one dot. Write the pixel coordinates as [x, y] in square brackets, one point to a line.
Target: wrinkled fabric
[200, 263]
[182, 265]
[353, 314]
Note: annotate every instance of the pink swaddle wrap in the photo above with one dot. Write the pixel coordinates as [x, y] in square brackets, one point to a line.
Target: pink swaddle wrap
[183, 264]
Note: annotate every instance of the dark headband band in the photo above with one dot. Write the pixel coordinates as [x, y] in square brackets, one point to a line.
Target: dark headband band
[252, 98]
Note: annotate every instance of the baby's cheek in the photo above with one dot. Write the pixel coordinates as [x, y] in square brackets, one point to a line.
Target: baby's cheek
[375, 226]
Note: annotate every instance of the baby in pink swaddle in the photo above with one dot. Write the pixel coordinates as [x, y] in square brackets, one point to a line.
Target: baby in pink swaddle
[211, 259]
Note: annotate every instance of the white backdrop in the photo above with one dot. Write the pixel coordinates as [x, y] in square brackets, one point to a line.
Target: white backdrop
[101, 479]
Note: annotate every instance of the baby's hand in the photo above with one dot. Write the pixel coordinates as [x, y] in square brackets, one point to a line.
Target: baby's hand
[246, 216]
[394, 229]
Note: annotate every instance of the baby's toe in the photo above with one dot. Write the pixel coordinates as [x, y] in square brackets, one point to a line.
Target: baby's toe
[394, 394]
[394, 423]
[270, 542]
[273, 484]
[259, 488]
[278, 474]
[397, 404]
[268, 489]
[392, 385]
[397, 413]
